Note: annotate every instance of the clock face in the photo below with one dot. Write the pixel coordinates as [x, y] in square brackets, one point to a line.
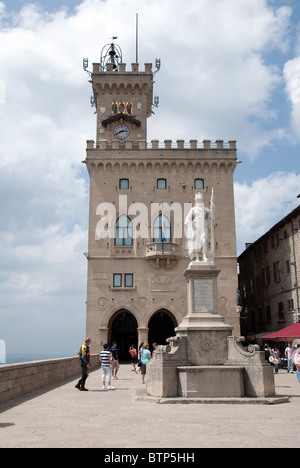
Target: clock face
[121, 132]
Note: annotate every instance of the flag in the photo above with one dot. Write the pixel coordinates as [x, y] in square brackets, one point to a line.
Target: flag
[163, 228]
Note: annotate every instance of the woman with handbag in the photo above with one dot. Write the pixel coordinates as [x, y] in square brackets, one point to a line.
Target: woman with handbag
[276, 359]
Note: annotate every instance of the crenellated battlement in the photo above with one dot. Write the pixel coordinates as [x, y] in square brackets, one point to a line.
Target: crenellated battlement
[122, 68]
[166, 145]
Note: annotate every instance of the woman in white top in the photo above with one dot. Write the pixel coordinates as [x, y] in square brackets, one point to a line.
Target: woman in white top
[106, 360]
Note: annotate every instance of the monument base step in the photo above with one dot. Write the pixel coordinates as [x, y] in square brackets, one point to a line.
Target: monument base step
[141, 395]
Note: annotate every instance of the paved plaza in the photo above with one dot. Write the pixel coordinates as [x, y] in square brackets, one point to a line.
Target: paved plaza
[61, 416]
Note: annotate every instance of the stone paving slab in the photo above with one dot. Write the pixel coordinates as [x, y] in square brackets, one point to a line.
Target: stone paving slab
[63, 417]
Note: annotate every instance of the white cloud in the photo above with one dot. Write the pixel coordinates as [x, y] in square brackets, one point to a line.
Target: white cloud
[264, 203]
[218, 74]
[292, 77]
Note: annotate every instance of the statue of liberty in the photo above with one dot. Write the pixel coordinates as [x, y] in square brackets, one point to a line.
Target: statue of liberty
[200, 230]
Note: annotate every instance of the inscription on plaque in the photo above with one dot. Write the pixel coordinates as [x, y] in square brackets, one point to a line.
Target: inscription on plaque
[204, 295]
[100, 276]
[162, 283]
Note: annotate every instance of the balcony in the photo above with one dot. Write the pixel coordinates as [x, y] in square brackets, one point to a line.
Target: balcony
[163, 254]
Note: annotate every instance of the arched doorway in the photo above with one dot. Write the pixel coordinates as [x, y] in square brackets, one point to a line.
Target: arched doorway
[123, 331]
[161, 326]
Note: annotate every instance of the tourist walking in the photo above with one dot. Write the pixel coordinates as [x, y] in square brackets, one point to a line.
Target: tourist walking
[106, 361]
[138, 368]
[85, 362]
[276, 359]
[268, 352]
[133, 355]
[116, 365]
[289, 351]
[145, 358]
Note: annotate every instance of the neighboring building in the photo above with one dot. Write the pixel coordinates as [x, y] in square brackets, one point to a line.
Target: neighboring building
[140, 194]
[269, 278]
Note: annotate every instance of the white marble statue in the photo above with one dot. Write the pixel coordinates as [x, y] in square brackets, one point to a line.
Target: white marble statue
[200, 230]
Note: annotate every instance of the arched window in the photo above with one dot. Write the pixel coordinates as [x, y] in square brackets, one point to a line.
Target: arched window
[162, 229]
[123, 231]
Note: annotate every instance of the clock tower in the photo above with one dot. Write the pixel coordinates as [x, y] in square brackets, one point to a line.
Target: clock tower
[140, 194]
[123, 99]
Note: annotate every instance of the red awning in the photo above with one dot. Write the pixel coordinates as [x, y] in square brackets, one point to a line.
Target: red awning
[286, 334]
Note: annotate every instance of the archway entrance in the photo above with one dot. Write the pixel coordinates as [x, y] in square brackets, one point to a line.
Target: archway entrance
[123, 331]
[161, 326]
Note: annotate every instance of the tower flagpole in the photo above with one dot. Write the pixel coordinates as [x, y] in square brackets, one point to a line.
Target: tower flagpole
[137, 39]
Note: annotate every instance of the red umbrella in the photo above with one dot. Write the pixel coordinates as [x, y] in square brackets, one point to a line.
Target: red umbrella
[286, 334]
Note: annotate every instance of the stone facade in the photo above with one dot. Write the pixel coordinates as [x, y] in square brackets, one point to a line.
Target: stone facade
[136, 286]
[269, 278]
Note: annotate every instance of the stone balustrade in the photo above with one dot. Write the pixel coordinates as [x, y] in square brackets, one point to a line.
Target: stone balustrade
[162, 249]
[20, 379]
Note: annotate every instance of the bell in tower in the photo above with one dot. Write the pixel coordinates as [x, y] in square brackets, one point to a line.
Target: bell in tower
[111, 53]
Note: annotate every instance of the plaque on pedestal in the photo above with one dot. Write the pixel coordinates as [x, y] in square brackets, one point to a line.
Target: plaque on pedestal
[203, 295]
[205, 329]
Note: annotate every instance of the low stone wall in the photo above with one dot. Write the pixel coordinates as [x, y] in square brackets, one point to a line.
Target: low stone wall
[20, 379]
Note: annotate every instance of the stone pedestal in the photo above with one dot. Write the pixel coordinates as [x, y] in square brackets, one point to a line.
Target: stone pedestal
[204, 360]
[207, 331]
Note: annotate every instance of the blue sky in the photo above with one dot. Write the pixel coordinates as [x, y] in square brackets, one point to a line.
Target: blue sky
[50, 6]
[230, 70]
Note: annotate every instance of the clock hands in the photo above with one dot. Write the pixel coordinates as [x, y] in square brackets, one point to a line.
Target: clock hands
[120, 131]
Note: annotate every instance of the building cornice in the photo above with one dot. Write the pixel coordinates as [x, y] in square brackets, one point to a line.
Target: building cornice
[124, 157]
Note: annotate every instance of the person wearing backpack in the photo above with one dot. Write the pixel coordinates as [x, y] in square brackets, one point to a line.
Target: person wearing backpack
[85, 362]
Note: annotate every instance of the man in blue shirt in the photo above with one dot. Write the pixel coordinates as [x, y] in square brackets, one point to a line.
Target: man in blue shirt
[116, 365]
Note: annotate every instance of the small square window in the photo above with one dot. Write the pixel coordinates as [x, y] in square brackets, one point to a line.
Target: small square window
[161, 183]
[128, 280]
[117, 280]
[199, 184]
[124, 184]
